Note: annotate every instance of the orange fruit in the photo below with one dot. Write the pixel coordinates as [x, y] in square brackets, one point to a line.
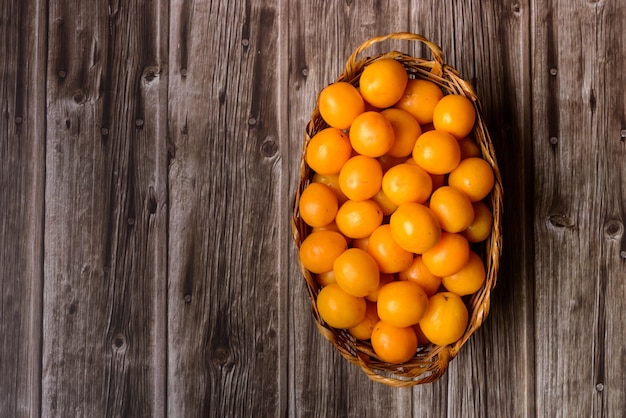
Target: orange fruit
[469, 148]
[338, 308]
[392, 344]
[414, 227]
[332, 181]
[383, 202]
[358, 219]
[371, 134]
[445, 319]
[480, 228]
[324, 279]
[453, 209]
[332, 226]
[467, 280]
[360, 177]
[318, 205]
[319, 250]
[427, 127]
[448, 255]
[421, 338]
[419, 99]
[401, 303]
[382, 82]
[339, 103]
[437, 152]
[406, 130]
[438, 180]
[328, 151]
[356, 272]
[390, 257]
[454, 114]
[387, 161]
[474, 177]
[384, 279]
[419, 274]
[405, 183]
[360, 243]
[363, 330]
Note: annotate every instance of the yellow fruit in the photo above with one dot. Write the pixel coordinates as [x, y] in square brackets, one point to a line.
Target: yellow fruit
[363, 330]
[319, 250]
[401, 303]
[467, 280]
[382, 82]
[339, 103]
[445, 318]
[356, 272]
[395, 345]
[338, 308]
[454, 114]
[414, 227]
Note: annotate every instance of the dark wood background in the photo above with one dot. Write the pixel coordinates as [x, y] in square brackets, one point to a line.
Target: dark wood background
[150, 151]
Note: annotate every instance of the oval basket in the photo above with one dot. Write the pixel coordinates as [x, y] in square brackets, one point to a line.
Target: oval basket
[430, 361]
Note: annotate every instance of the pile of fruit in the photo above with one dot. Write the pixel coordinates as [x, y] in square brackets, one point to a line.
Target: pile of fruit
[396, 209]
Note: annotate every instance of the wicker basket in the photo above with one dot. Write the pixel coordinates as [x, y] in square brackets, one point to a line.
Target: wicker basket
[431, 361]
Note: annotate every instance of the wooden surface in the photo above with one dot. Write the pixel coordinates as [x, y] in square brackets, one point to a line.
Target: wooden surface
[150, 151]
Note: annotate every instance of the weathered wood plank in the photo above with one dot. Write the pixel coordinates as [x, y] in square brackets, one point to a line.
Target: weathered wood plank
[579, 109]
[322, 35]
[609, 341]
[227, 224]
[497, 70]
[106, 210]
[488, 43]
[476, 56]
[22, 151]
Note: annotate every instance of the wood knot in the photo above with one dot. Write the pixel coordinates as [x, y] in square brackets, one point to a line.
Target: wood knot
[119, 343]
[221, 356]
[80, 97]
[560, 220]
[150, 74]
[613, 229]
[269, 148]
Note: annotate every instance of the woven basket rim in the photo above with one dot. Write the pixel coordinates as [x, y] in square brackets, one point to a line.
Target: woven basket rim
[430, 361]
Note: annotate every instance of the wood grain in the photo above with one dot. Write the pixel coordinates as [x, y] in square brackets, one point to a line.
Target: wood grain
[226, 217]
[104, 266]
[579, 194]
[317, 58]
[486, 43]
[150, 153]
[22, 151]
[476, 56]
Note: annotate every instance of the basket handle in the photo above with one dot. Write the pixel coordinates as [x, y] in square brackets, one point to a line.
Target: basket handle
[434, 49]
